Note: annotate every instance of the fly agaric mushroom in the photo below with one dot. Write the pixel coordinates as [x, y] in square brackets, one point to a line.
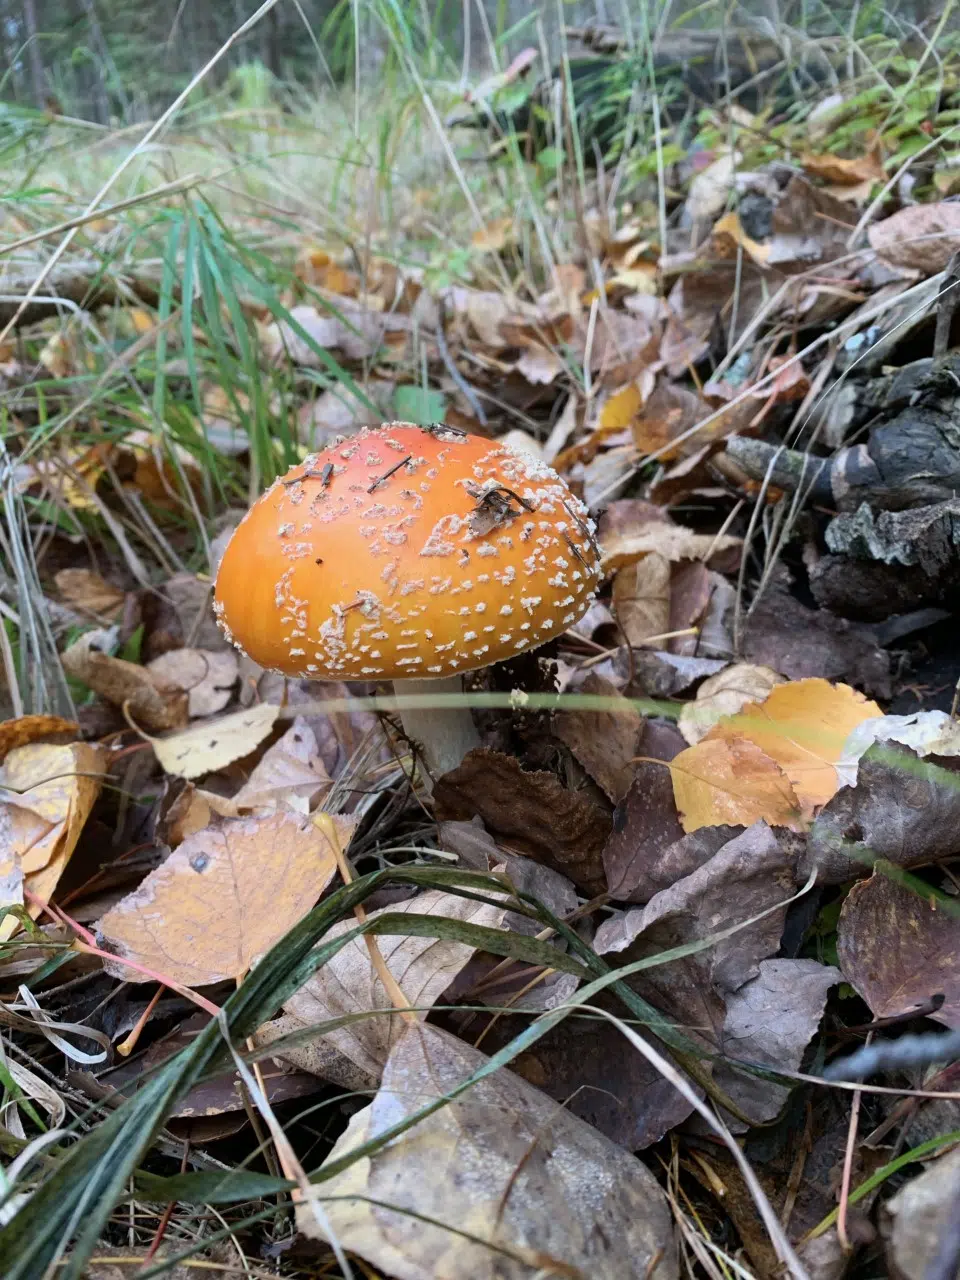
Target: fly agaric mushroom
[413, 554]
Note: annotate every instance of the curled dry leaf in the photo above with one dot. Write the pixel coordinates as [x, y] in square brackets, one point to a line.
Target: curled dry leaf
[671, 541]
[151, 703]
[928, 733]
[213, 744]
[572, 1203]
[291, 773]
[222, 898]
[46, 794]
[842, 172]
[206, 675]
[803, 726]
[899, 946]
[530, 813]
[423, 967]
[27, 729]
[87, 592]
[723, 695]
[730, 781]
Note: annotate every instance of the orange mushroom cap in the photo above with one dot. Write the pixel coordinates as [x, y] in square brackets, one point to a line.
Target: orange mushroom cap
[406, 551]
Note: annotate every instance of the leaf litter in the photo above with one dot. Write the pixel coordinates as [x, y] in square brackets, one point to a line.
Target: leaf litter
[202, 811]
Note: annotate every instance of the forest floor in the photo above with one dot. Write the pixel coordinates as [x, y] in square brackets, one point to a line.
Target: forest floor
[665, 977]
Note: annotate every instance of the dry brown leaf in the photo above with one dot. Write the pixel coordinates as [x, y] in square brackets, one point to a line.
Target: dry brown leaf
[87, 592]
[494, 236]
[291, 773]
[641, 598]
[922, 237]
[213, 744]
[899, 946]
[671, 541]
[423, 967]
[222, 898]
[725, 694]
[46, 794]
[605, 741]
[846, 173]
[486, 311]
[482, 1165]
[206, 675]
[669, 412]
[528, 813]
[151, 703]
[803, 726]
[731, 782]
[26, 729]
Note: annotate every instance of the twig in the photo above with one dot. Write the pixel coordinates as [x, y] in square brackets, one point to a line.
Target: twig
[847, 1176]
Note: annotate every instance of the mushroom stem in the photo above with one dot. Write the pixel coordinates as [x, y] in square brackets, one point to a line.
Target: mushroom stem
[444, 736]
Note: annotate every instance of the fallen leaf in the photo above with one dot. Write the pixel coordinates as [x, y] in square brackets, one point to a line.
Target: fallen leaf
[730, 781]
[423, 967]
[317, 1056]
[668, 412]
[89, 593]
[27, 729]
[710, 189]
[476, 848]
[922, 237]
[620, 409]
[747, 875]
[844, 172]
[46, 795]
[724, 695]
[770, 1021]
[605, 742]
[213, 744]
[206, 675]
[528, 1204]
[641, 599]
[802, 725]
[593, 1072]
[493, 236]
[925, 732]
[222, 898]
[799, 642]
[903, 809]
[151, 703]
[647, 849]
[672, 541]
[729, 236]
[290, 773]
[530, 813]
[915, 1221]
[898, 947]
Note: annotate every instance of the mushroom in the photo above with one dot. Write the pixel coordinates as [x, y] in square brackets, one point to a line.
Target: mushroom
[409, 553]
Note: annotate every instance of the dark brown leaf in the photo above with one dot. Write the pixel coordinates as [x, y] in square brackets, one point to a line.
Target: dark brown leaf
[750, 873]
[903, 809]
[800, 642]
[605, 742]
[530, 813]
[899, 947]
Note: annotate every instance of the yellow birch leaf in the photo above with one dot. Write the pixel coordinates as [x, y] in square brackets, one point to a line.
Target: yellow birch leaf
[730, 781]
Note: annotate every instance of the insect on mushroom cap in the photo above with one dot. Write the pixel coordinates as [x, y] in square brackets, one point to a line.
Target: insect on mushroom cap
[406, 551]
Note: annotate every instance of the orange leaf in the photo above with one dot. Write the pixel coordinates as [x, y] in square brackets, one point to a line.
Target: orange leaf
[731, 781]
[803, 726]
[843, 172]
